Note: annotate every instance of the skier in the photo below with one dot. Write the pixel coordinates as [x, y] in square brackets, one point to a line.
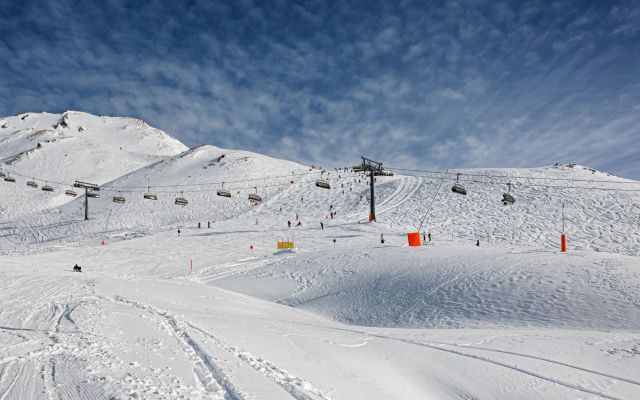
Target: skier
[198, 225]
[321, 225]
[478, 243]
[331, 207]
[424, 239]
[178, 232]
[77, 268]
[299, 223]
[429, 236]
[289, 223]
[208, 224]
[382, 238]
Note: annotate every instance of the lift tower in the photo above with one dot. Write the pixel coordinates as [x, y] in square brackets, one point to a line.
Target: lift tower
[87, 187]
[374, 168]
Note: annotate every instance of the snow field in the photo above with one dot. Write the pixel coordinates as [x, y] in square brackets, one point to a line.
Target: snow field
[512, 318]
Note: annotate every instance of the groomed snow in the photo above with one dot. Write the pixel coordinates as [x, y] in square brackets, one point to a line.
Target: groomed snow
[155, 315]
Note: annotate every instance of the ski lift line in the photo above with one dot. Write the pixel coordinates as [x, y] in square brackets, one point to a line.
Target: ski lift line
[221, 181]
[515, 176]
[179, 185]
[119, 189]
[432, 200]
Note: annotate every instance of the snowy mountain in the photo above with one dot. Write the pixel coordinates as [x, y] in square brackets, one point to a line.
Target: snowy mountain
[218, 312]
[73, 146]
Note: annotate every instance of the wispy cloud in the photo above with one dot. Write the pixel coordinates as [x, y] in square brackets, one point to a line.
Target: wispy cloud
[411, 83]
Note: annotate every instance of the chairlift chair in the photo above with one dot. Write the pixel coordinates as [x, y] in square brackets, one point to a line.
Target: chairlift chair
[10, 179]
[254, 197]
[457, 187]
[223, 192]
[324, 184]
[150, 195]
[68, 192]
[32, 184]
[93, 195]
[118, 199]
[508, 198]
[181, 201]
[49, 188]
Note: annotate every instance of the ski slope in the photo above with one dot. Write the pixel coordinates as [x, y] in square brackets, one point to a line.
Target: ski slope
[157, 315]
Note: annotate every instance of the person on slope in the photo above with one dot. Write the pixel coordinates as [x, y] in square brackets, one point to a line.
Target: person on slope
[429, 236]
[289, 224]
[478, 242]
[299, 223]
[77, 268]
[382, 238]
[178, 232]
[321, 225]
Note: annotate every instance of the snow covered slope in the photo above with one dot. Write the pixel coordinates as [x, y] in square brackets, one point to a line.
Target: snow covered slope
[219, 313]
[73, 146]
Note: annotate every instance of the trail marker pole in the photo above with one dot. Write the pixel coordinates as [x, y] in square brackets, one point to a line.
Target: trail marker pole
[563, 237]
[191, 265]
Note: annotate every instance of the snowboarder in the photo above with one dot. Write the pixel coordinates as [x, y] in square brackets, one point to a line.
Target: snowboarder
[77, 268]
[382, 238]
[289, 223]
[178, 232]
[321, 225]
[478, 242]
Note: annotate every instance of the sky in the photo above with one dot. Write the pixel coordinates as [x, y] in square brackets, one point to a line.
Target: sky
[424, 84]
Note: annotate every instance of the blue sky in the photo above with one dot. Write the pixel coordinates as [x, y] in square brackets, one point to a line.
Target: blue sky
[425, 84]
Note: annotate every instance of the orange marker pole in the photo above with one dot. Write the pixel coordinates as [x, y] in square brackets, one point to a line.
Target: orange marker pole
[563, 243]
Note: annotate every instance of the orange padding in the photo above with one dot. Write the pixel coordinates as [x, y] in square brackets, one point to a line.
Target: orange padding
[414, 239]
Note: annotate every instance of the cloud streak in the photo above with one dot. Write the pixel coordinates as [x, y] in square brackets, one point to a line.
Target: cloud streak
[447, 85]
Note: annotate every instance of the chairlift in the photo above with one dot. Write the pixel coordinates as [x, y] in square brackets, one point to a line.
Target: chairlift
[508, 198]
[49, 188]
[10, 179]
[253, 197]
[68, 192]
[181, 201]
[93, 195]
[223, 192]
[32, 184]
[150, 195]
[457, 187]
[322, 183]
[118, 199]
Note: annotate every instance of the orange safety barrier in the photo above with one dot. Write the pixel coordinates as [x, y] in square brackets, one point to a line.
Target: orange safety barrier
[414, 239]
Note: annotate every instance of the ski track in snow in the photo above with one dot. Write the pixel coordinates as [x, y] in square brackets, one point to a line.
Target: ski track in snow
[296, 387]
